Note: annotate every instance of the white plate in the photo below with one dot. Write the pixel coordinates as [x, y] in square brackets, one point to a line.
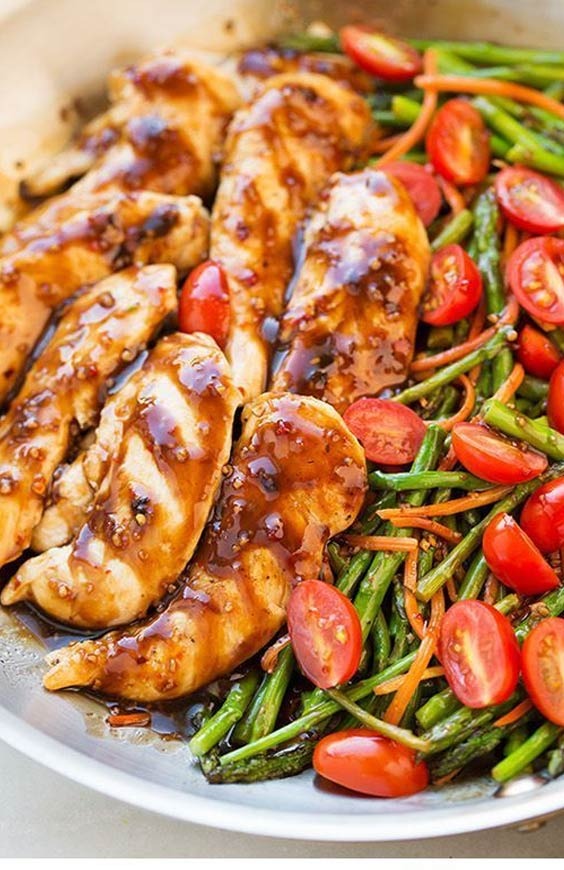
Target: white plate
[50, 52]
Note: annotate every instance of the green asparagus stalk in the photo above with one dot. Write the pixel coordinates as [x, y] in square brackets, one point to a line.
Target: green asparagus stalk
[229, 713]
[533, 389]
[276, 686]
[551, 605]
[437, 708]
[400, 735]
[381, 642]
[516, 425]
[286, 762]
[455, 230]
[537, 743]
[461, 724]
[480, 743]
[308, 42]
[490, 54]
[406, 480]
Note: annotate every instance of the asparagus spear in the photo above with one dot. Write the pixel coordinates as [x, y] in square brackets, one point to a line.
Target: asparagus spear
[537, 743]
[276, 684]
[438, 707]
[455, 230]
[480, 743]
[407, 480]
[400, 735]
[228, 714]
[488, 53]
[286, 762]
[516, 425]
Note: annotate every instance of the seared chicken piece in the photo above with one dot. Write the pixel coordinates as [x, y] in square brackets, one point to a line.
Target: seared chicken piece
[281, 150]
[163, 132]
[108, 235]
[262, 63]
[297, 477]
[349, 328]
[63, 390]
[160, 478]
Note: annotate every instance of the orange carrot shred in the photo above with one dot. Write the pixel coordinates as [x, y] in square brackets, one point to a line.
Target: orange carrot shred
[465, 409]
[451, 590]
[491, 590]
[395, 683]
[411, 137]
[444, 780]
[414, 617]
[510, 240]
[493, 87]
[514, 715]
[383, 543]
[430, 526]
[423, 656]
[445, 508]
[128, 720]
[511, 385]
[380, 146]
[452, 195]
[270, 656]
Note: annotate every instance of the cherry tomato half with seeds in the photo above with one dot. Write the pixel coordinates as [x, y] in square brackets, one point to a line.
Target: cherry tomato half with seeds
[536, 353]
[535, 273]
[542, 517]
[555, 405]
[390, 433]
[204, 302]
[458, 143]
[379, 54]
[543, 668]
[366, 762]
[530, 200]
[492, 458]
[325, 632]
[454, 289]
[514, 558]
[420, 185]
[479, 652]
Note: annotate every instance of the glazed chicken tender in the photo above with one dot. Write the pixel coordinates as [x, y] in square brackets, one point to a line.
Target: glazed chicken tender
[62, 393]
[281, 149]
[297, 476]
[60, 256]
[162, 472]
[349, 328]
[163, 132]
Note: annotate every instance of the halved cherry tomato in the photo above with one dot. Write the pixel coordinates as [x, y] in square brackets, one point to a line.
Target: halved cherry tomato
[535, 273]
[389, 432]
[542, 517]
[543, 668]
[479, 652]
[514, 558]
[366, 762]
[492, 458]
[555, 405]
[530, 200]
[204, 302]
[421, 186]
[536, 353]
[379, 54]
[458, 143]
[325, 632]
[454, 288]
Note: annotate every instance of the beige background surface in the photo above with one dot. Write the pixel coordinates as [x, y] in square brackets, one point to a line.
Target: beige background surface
[44, 815]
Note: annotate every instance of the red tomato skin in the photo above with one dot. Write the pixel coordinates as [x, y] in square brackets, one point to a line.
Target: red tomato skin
[477, 628]
[420, 185]
[514, 558]
[316, 609]
[526, 273]
[366, 762]
[482, 453]
[546, 215]
[536, 353]
[454, 289]
[390, 433]
[542, 517]
[555, 405]
[543, 668]
[374, 52]
[452, 125]
[204, 302]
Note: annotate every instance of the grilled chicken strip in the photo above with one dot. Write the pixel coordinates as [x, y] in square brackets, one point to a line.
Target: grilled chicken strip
[281, 150]
[349, 327]
[163, 132]
[262, 63]
[160, 478]
[109, 234]
[62, 392]
[297, 477]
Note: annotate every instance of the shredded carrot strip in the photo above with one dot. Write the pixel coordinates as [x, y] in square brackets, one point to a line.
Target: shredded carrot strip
[426, 363]
[414, 617]
[448, 461]
[270, 656]
[465, 409]
[491, 590]
[430, 526]
[445, 508]
[493, 87]
[381, 542]
[444, 780]
[451, 590]
[452, 195]
[424, 654]
[513, 715]
[128, 720]
[416, 132]
[410, 571]
[511, 385]
[510, 240]
[380, 146]
[394, 684]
